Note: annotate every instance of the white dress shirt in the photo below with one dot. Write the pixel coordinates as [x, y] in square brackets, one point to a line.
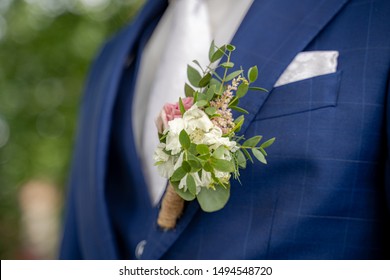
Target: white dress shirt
[224, 21]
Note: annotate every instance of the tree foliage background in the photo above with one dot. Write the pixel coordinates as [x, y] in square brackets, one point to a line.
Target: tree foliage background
[46, 47]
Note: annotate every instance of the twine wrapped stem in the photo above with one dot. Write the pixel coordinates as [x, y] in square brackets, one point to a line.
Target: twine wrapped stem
[171, 209]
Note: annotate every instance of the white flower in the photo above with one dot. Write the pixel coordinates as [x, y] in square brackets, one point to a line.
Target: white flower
[179, 162]
[176, 125]
[197, 136]
[159, 154]
[214, 139]
[166, 168]
[194, 119]
[172, 141]
[201, 131]
[204, 181]
[163, 161]
[223, 176]
[183, 183]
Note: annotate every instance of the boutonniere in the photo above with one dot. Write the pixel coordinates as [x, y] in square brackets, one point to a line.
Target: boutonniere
[200, 150]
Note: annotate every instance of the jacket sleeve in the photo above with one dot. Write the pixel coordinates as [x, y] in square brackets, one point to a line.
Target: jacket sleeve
[69, 247]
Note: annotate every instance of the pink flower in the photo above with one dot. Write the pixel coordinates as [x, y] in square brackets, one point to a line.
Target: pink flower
[171, 111]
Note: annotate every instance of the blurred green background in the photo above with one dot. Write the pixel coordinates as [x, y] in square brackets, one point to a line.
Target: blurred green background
[46, 47]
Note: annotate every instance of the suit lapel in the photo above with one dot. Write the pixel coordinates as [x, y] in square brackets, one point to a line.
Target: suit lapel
[95, 227]
[271, 35]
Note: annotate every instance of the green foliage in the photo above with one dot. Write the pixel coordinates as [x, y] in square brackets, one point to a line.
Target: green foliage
[188, 90]
[205, 80]
[259, 155]
[241, 160]
[186, 195]
[193, 76]
[242, 90]
[202, 149]
[211, 200]
[222, 165]
[211, 163]
[201, 103]
[181, 106]
[268, 143]
[213, 85]
[215, 53]
[184, 140]
[191, 184]
[252, 74]
[44, 58]
[178, 174]
[252, 142]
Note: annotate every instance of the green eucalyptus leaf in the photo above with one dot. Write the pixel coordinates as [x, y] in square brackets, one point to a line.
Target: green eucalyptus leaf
[211, 50]
[186, 166]
[203, 149]
[213, 200]
[239, 119]
[239, 122]
[193, 75]
[215, 82]
[198, 64]
[204, 157]
[259, 155]
[184, 139]
[239, 109]
[205, 80]
[202, 96]
[234, 102]
[207, 167]
[222, 165]
[188, 90]
[253, 141]
[210, 92]
[178, 174]
[219, 152]
[241, 160]
[248, 156]
[192, 149]
[263, 151]
[195, 165]
[252, 74]
[258, 88]
[232, 75]
[268, 143]
[196, 96]
[227, 65]
[181, 106]
[186, 195]
[192, 156]
[191, 184]
[218, 54]
[210, 111]
[230, 47]
[242, 90]
[201, 103]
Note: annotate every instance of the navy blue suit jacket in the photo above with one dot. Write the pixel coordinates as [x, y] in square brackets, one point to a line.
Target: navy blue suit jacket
[326, 190]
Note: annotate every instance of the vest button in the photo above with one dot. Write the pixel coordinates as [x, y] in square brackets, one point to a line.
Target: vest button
[139, 250]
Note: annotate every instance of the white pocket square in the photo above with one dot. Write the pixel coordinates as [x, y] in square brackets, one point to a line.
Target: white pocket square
[308, 65]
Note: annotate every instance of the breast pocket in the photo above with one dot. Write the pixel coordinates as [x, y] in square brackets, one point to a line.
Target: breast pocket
[302, 96]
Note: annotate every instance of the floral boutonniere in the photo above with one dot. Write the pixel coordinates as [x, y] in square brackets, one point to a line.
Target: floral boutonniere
[199, 150]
